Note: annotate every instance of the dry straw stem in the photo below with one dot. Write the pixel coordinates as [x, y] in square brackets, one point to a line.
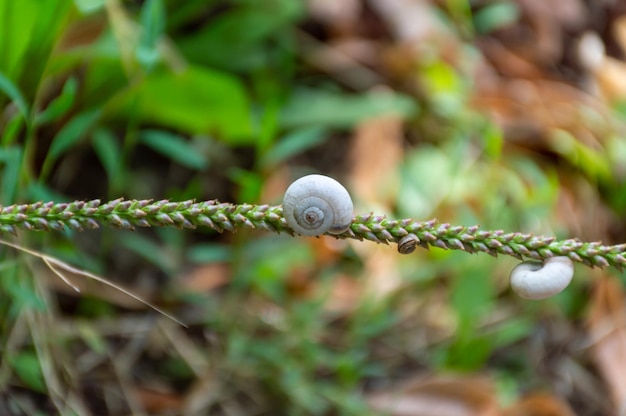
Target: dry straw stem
[128, 214]
[59, 268]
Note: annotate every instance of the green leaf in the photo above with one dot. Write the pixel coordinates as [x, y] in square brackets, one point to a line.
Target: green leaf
[89, 6]
[72, 133]
[26, 366]
[493, 140]
[186, 11]
[92, 337]
[37, 191]
[261, 269]
[12, 91]
[325, 108]
[468, 353]
[12, 130]
[174, 147]
[250, 184]
[589, 160]
[93, 308]
[153, 27]
[511, 331]
[11, 158]
[259, 23]
[21, 292]
[237, 39]
[14, 42]
[294, 143]
[108, 151]
[445, 88]
[209, 253]
[149, 250]
[29, 30]
[421, 198]
[495, 16]
[195, 101]
[60, 105]
[68, 137]
[104, 77]
[471, 295]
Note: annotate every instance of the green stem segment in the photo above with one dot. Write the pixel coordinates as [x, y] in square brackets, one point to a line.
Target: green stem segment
[224, 216]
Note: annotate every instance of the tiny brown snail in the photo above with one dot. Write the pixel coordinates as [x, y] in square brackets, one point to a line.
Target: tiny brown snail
[317, 204]
[407, 244]
[537, 280]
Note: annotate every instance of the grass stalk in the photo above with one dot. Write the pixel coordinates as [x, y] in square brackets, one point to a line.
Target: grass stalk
[129, 214]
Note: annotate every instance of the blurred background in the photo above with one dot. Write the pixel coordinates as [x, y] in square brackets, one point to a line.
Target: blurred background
[508, 114]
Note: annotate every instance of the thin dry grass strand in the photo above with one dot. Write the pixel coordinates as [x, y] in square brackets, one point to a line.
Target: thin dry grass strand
[54, 263]
[61, 397]
[61, 275]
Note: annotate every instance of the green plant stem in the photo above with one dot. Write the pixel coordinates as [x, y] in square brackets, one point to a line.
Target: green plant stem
[225, 216]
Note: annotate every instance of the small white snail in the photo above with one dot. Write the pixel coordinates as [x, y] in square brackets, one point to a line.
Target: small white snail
[537, 280]
[316, 204]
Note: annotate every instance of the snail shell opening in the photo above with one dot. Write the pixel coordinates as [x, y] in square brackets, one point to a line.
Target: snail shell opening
[536, 280]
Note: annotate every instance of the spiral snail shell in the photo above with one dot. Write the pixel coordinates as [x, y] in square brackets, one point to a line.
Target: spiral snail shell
[408, 243]
[536, 280]
[316, 204]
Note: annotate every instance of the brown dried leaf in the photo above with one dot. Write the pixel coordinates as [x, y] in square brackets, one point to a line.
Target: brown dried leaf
[529, 109]
[345, 295]
[441, 396]
[607, 327]
[302, 282]
[619, 32]
[335, 12]
[579, 211]
[339, 62]
[611, 78]
[158, 401]
[206, 278]
[202, 394]
[538, 37]
[275, 184]
[83, 32]
[376, 153]
[413, 21]
[508, 62]
[539, 405]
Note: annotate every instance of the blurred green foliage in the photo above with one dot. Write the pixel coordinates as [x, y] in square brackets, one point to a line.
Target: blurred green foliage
[203, 99]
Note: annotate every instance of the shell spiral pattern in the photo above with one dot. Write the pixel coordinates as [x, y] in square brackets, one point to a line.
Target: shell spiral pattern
[316, 204]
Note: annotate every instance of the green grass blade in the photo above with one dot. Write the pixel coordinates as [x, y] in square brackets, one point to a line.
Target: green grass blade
[26, 366]
[153, 25]
[295, 143]
[12, 91]
[107, 150]
[11, 158]
[60, 105]
[174, 147]
[89, 6]
[68, 137]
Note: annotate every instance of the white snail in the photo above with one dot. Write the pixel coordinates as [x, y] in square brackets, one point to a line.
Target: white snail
[536, 280]
[316, 204]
